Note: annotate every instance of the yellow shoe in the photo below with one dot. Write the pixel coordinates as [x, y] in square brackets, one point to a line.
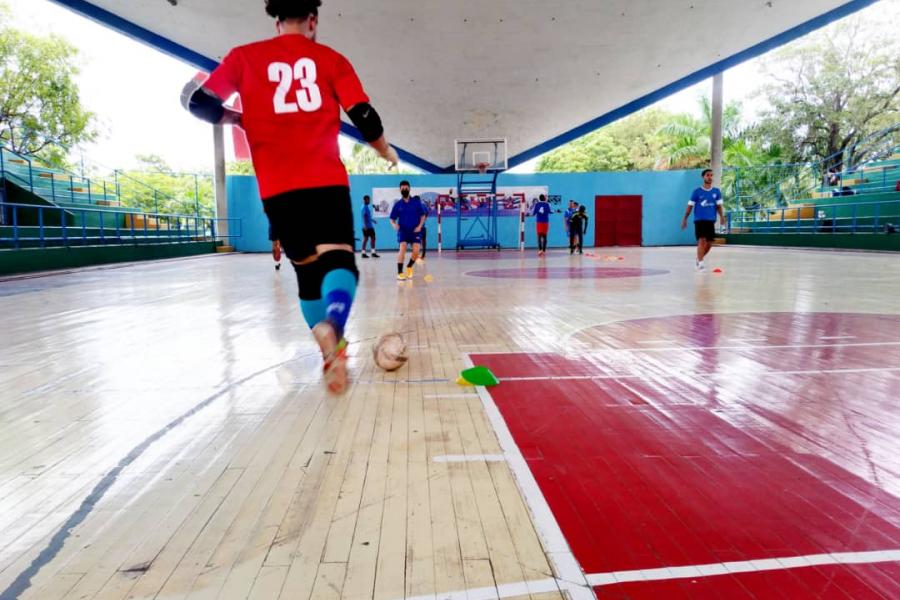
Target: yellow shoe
[409, 272]
[401, 277]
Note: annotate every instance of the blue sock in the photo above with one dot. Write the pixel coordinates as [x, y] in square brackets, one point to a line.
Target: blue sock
[338, 291]
[313, 311]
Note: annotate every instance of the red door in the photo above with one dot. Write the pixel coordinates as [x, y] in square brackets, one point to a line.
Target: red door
[618, 220]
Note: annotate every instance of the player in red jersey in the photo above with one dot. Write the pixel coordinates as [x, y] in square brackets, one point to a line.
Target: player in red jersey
[292, 90]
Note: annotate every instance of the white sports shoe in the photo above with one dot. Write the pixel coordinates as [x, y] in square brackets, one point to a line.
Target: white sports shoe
[701, 266]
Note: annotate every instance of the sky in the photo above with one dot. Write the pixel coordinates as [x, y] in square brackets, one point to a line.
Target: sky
[138, 108]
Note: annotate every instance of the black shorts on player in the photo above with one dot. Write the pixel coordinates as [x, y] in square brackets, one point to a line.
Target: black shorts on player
[705, 230]
[304, 219]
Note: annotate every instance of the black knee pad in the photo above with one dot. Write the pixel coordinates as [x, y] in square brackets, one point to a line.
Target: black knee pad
[337, 259]
[309, 280]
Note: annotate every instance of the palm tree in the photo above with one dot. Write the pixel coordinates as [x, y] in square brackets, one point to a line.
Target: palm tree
[365, 161]
[689, 138]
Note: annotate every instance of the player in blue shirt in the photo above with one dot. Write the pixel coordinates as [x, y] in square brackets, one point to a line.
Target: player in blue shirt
[407, 218]
[368, 218]
[541, 211]
[706, 202]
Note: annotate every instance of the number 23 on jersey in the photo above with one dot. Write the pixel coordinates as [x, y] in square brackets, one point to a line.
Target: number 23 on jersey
[308, 96]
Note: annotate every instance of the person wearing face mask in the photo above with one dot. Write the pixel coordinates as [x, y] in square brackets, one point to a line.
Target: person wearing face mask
[292, 90]
[407, 218]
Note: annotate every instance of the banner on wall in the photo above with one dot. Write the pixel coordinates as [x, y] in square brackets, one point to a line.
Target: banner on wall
[509, 200]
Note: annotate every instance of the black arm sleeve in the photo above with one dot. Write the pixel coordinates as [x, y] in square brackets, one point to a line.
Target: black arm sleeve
[367, 121]
[206, 107]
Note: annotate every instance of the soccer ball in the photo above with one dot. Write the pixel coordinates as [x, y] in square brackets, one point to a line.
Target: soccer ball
[390, 352]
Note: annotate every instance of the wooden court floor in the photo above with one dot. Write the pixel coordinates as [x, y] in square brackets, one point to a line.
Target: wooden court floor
[658, 433]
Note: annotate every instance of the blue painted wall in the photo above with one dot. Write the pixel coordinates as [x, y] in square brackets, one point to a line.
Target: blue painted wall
[665, 196]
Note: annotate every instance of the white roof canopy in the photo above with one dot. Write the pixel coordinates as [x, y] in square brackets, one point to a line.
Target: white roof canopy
[536, 73]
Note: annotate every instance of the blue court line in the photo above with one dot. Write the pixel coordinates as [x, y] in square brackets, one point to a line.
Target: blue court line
[23, 582]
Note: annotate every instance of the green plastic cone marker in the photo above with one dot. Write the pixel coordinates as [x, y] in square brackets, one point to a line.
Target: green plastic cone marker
[479, 375]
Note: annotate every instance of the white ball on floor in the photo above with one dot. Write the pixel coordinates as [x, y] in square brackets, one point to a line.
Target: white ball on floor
[390, 352]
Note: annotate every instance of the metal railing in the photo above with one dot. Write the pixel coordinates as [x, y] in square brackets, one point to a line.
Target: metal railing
[857, 218]
[60, 185]
[39, 226]
[774, 185]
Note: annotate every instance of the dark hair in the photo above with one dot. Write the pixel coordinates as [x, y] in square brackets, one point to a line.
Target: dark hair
[543, 198]
[582, 208]
[705, 171]
[366, 196]
[292, 9]
[404, 182]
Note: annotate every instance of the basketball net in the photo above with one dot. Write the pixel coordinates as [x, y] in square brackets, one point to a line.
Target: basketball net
[482, 167]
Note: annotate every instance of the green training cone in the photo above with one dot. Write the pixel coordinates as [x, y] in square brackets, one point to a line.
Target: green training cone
[479, 375]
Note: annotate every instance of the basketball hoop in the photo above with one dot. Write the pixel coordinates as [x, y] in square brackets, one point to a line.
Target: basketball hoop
[482, 167]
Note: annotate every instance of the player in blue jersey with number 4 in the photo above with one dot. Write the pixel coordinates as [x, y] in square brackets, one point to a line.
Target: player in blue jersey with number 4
[706, 202]
[541, 211]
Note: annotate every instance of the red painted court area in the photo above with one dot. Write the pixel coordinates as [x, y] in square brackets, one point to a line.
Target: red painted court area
[711, 445]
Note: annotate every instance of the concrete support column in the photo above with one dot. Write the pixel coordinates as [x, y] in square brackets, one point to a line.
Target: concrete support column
[716, 140]
[221, 195]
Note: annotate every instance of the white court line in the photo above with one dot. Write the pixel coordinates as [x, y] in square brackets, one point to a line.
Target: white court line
[760, 347]
[570, 575]
[683, 374]
[505, 590]
[745, 566]
[479, 345]
[838, 337]
[511, 590]
[459, 458]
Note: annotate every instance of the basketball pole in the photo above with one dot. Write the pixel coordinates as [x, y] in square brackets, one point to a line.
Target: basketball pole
[522, 225]
[716, 141]
[440, 243]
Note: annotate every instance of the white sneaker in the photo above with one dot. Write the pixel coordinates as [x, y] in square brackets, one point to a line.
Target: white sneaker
[701, 266]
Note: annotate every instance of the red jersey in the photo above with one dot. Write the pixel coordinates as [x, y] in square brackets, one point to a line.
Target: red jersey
[292, 90]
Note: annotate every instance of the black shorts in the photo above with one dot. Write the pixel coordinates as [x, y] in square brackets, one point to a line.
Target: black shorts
[370, 232]
[705, 230]
[304, 219]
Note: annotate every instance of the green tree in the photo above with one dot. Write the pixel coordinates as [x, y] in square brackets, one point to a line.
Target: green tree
[363, 160]
[638, 133]
[831, 90]
[154, 186]
[687, 139]
[629, 144]
[240, 167]
[597, 151]
[40, 109]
